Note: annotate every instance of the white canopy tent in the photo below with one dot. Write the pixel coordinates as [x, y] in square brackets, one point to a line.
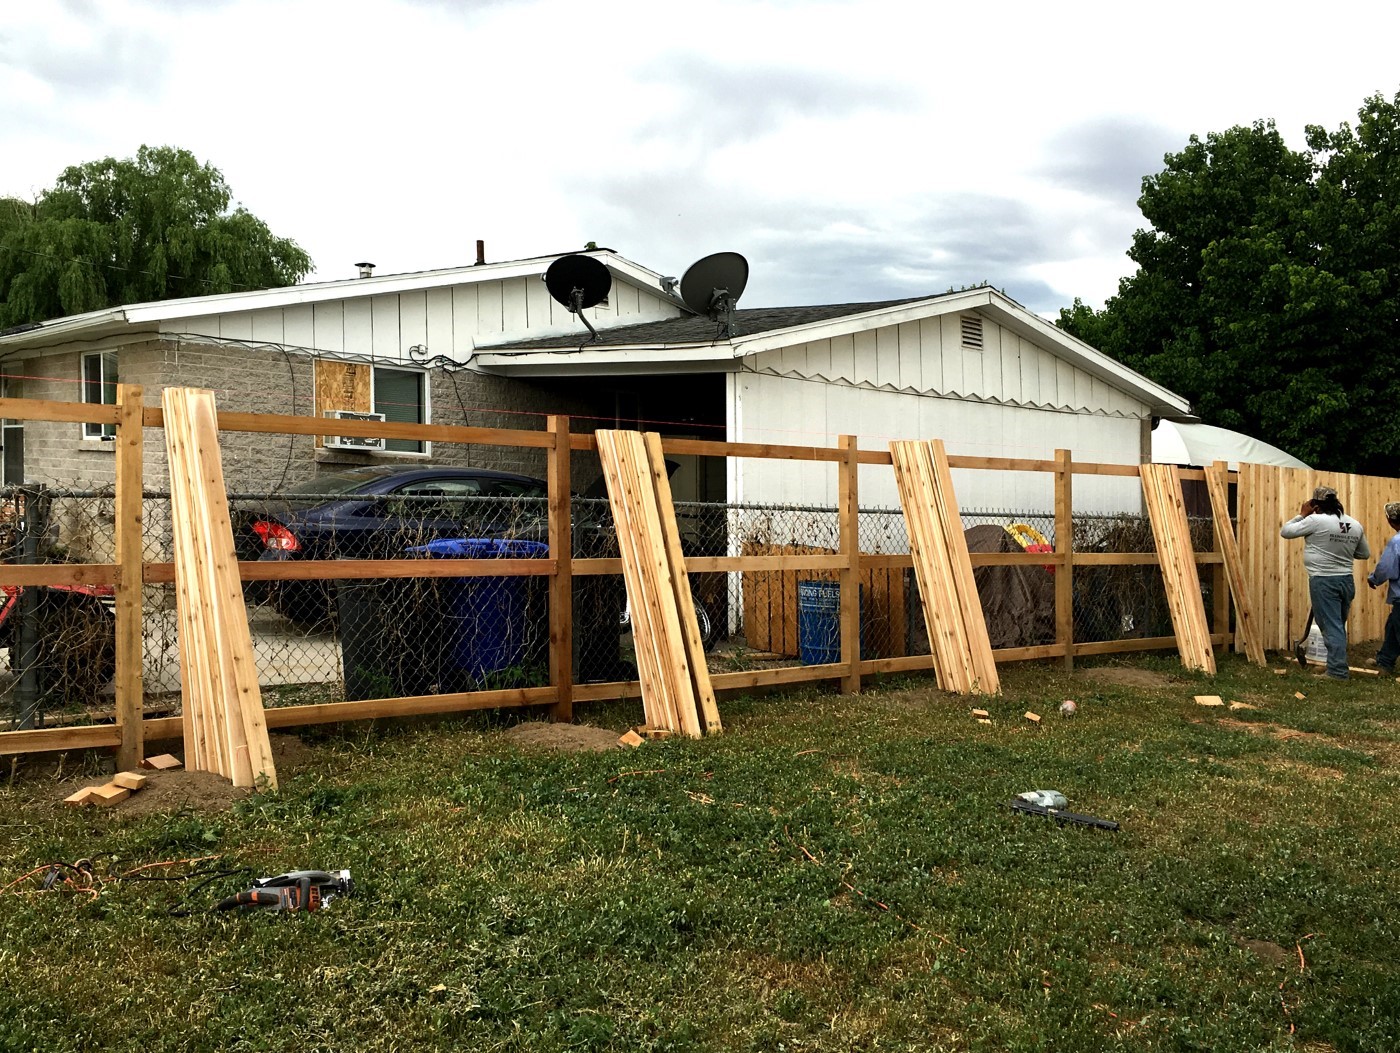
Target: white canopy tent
[1203, 444]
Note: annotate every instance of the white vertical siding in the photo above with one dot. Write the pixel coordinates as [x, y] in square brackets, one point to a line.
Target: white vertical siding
[299, 328]
[438, 305]
[514, 315]
[384, 321]
[774, 409]
[413, 321]
[448, 319]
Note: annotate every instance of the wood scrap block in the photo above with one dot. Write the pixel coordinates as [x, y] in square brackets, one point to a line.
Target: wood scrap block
[1034, 718]
[983, 720]
[1299, 695]
[1280, 672]
[1242, 705]
[979, 713]
[631, 739]
[106, 796]
[80, 798]
[162, 762]
[1209, 700]
[654, 733]
[1365, 672]
[130, 780]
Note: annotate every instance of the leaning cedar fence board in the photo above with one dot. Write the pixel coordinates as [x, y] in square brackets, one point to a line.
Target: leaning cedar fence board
[1166, 509]
[1246, 621]
[224, 722]
[957, 630]
[676, 690]
[680, 583]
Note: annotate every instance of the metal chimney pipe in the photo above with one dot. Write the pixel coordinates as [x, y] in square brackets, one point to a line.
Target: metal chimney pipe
[366, 269]
[480, 252]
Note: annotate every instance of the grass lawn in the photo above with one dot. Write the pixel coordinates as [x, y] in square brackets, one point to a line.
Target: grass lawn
[833, 873]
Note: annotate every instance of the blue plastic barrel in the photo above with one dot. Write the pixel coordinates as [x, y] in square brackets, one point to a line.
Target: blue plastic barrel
[486, 620]
[819, 622]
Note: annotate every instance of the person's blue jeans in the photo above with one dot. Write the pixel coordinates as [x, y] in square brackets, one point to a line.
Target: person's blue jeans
[1331, 603]
[1390, 647]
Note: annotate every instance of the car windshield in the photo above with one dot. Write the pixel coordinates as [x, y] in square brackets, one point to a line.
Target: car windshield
[333, 484]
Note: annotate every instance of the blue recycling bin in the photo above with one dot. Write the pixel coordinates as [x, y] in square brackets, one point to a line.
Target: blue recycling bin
[819, 622]
[487, 622]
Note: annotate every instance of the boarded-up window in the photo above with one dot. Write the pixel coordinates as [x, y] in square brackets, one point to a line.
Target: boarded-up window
[971, 332]
[341, 386]
[399, 395]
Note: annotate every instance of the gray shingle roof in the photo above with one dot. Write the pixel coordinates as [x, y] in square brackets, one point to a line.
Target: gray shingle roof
[694, 329]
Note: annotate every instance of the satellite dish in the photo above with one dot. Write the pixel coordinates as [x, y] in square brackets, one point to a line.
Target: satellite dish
[712, 286]
[578, 282]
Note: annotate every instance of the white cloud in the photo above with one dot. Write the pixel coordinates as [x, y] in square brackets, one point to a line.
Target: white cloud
[851, 150]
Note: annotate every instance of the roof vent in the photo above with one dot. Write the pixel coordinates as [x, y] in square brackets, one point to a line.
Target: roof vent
[366, 270]
[971, 332]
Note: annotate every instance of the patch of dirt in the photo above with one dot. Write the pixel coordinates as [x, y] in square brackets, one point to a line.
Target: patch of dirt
[289, 753]
[1273, 731]
[167, 792]
[1124, 676]
[567, 738]
[1307, 771]
[1266, 951]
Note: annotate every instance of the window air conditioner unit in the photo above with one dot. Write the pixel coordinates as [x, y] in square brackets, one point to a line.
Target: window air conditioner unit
[351, 442]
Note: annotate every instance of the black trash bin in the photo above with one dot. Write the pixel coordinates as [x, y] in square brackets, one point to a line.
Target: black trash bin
[491, 631]
[387, 648]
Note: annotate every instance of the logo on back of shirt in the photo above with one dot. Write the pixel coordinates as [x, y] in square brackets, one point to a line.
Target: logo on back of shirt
[1345, 527]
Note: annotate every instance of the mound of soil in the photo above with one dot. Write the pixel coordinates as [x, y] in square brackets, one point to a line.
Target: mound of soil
[568, 738]
[1125, 676]
[168, 792]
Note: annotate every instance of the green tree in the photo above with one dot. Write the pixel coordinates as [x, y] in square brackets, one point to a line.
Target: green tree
[154, 227]
[1266, 289]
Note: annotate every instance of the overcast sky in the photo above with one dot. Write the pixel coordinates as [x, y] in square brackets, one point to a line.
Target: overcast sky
[852, 151]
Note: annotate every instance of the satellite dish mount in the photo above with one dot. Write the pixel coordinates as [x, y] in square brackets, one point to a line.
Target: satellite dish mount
[578, 282]
[712, 286]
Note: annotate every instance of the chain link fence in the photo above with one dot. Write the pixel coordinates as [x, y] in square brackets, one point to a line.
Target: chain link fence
[324, 640]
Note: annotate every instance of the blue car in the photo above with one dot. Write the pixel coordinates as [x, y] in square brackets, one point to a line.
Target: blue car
[378, 511]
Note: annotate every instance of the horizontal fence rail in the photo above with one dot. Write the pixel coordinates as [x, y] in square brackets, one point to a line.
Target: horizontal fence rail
[764, 572]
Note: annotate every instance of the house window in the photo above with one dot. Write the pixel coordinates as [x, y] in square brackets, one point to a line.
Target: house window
[402, 396]
[971, 332]
[100, 389]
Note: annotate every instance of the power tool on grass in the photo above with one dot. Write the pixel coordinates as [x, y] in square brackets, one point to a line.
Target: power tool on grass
[308, 890]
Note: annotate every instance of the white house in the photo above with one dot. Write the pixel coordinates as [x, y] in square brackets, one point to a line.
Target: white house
[486, 345]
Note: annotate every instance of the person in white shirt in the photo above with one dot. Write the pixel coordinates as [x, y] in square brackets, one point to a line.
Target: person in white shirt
[1333, 541]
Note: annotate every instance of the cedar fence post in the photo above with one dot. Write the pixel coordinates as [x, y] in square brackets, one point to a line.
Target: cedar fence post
[849, 513]
[129, 686]
[1064, 550]
[561, 582]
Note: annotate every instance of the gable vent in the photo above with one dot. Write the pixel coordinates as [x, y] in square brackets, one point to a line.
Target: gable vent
[971, 332]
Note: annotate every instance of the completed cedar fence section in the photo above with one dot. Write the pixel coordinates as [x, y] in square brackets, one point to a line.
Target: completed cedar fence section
[1087, 553]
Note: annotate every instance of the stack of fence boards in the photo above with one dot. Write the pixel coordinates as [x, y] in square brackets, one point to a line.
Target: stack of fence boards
[224, 724]
[957, 631]
[1161, 490]
[1268, 497]
[676, 691]
[1246, 620]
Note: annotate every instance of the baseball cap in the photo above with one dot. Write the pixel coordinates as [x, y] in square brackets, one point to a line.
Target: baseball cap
[1322, 493]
